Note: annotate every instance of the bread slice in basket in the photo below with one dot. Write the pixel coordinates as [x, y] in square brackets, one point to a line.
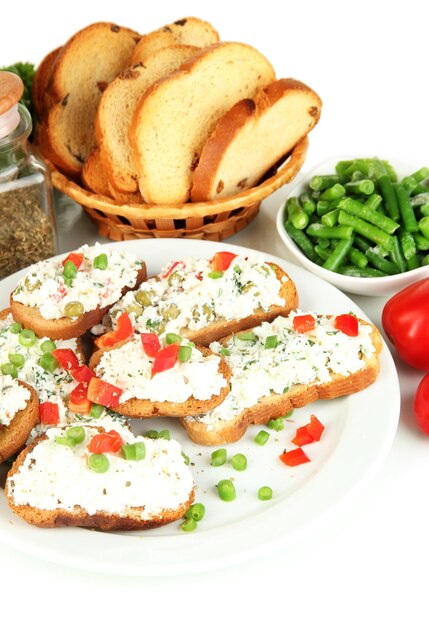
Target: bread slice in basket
[95, 178]
[117, 106]
[177, 114]
[186, 387]
[188, 31]
[53, 484]
[199, 301]
[41, 83]
[252, 136]
[84, 67]
[59, 307]
[275, 368]
[19, 413]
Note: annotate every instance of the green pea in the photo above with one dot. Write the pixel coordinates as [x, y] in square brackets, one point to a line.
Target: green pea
[171, 312]
[262, 437]
[196, 512]
[98, 463]
[15, 328]
[47, 346]
[17, 359]
[31, 286]
[134, 451]
[74, 309]
[9, 369]
[172, 338]
[184, 353]
[215, 274]
[239, 462]
[276, 424]
[100, 261]
[135, 308]
[143, 298]
[218, 457]
[265, 493]
[189, 525]
[48, 362]
[27, 338]
[226, 490]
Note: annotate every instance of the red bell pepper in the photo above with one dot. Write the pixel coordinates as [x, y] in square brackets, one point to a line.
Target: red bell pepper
[150, 343]
[309, 433]
[294, 457]
[348, 324]
[222, 260]
[303, 323]
[174, 266]
[103, 393]
[75, 257]
[124, 329]
[405, 320]
[66, 358]
[165, 358]
[110, 441]
[302, 437]
[78, 400]
[82, 374]
[421, 404]
[49, 413]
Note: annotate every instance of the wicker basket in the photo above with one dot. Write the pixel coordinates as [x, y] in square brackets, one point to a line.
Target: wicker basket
[215, 220]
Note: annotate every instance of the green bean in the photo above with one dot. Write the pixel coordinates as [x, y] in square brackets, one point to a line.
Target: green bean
[419, 189]
[356, 175]
[357, 272]
[425, 260]
[374, 201]
[303, 242]
[424, 209]
[358, 258]
[307, 203]
[320, 183]
[324, 253]
[323, 206]
[405, 209]
[338, 254]
[333, 193]
[397, 256]
[413, 263]
[364, 186]
[329, 232]
[380, 263]
[423, 226]
[331, 218]
[421, 174]
[296, 213]
[367, 230]
[369, 215]
[362, 243]
[408, 244]
[421, 242]
[324, 243]
[387, 191]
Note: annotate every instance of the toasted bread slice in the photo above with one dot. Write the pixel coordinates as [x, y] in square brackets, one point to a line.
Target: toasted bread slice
[117, 106]
[95, 178]
[40, 300]
[130, 495]
[189, 31]
[259, 373]
[252, 136]
[41, 82]
[173, 392]
[78, 79]
[15, 430]
[177, 114]
[184, 299]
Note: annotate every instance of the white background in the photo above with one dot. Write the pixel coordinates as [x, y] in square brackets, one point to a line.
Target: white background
[369, 63]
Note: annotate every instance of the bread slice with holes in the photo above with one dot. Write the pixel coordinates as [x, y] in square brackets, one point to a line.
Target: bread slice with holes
[187, 387]
[177, 114]
[153, 490]
[189, 31]
[19, 413]
[117, 106]
[84, 67]
[276, 368]
[252, 136]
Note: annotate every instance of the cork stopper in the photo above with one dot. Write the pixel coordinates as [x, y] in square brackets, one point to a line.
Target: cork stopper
[11, 90]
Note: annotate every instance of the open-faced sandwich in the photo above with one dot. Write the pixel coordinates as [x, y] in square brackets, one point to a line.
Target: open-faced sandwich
[19, 413]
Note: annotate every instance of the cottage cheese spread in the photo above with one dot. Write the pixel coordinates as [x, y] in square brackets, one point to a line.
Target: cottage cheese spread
[13, 398]
[45, 289]
[298, 358]
[185, 296]
[55, 476]
[129, 368]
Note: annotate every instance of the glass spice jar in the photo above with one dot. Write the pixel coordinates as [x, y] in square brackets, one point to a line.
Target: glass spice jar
[27, 222]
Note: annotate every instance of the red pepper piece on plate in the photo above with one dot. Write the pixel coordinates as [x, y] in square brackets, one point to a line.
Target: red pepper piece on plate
[75, 257]
[303, 323]
[101, 392]
[302, 437]
[222, 260]
[294, 457]
[348, 324]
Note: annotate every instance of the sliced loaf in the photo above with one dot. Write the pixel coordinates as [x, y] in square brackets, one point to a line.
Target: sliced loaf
[117, 106]
[177, 114]
[252, 136]
[189, 31]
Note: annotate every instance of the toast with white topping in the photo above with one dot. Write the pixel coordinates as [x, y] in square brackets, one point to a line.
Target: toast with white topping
[19, 414]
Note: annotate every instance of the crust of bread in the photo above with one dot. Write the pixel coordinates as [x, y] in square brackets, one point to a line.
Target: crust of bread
[63, 328]
[41, 82]
[252, 137]
[80, 517]
[144, 409]
[14, 436]
[176, 115]
[276, 405]
[189, 31]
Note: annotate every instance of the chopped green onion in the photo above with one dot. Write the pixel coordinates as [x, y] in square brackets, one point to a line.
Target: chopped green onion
[17, 359]
[70, 270]
[218, 457]
[215, 274]
[239, 462]
[184, 353]
[276, 424]
[100, 262]
[226, 490]
[151, 434]
[98, 463]
[224, 352]
[262, 437]
[172, 338]
[248, 337]
[188, 525]
[15, 328]
[134, 451]
[63, 440]
[96, 410]
[271, 342]
[48, 362]
[164, 434]
[27, 337]
[196, 512]
[76, 433]
[265, 493]
[8, 369]
[48, 345]
[185, 458]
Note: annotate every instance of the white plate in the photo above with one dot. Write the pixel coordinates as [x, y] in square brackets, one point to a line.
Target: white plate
[358, 435]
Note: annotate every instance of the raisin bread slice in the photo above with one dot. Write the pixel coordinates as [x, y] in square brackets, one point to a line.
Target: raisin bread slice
[189, 31]
[41, 82]
[252, 136]
[87, 63]
[177, 114]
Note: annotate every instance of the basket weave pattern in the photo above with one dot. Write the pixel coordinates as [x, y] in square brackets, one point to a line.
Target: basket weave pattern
[214, 220]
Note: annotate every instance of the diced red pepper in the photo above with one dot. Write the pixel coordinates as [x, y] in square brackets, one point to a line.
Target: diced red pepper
[105, 442]
[49, 413]
[82, 374]
[315, 428]
[303, 323]
[302, 437]
[150, 343]
[348, 324]
[294, 457]
[165, 358]
[78, 400]
[66, 358]
[82, 407]
[123, 330]
[174, 266]
[222, 260]
[101, 392]
[75, 257]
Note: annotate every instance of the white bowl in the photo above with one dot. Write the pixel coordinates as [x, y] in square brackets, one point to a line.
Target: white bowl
[382, 286]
